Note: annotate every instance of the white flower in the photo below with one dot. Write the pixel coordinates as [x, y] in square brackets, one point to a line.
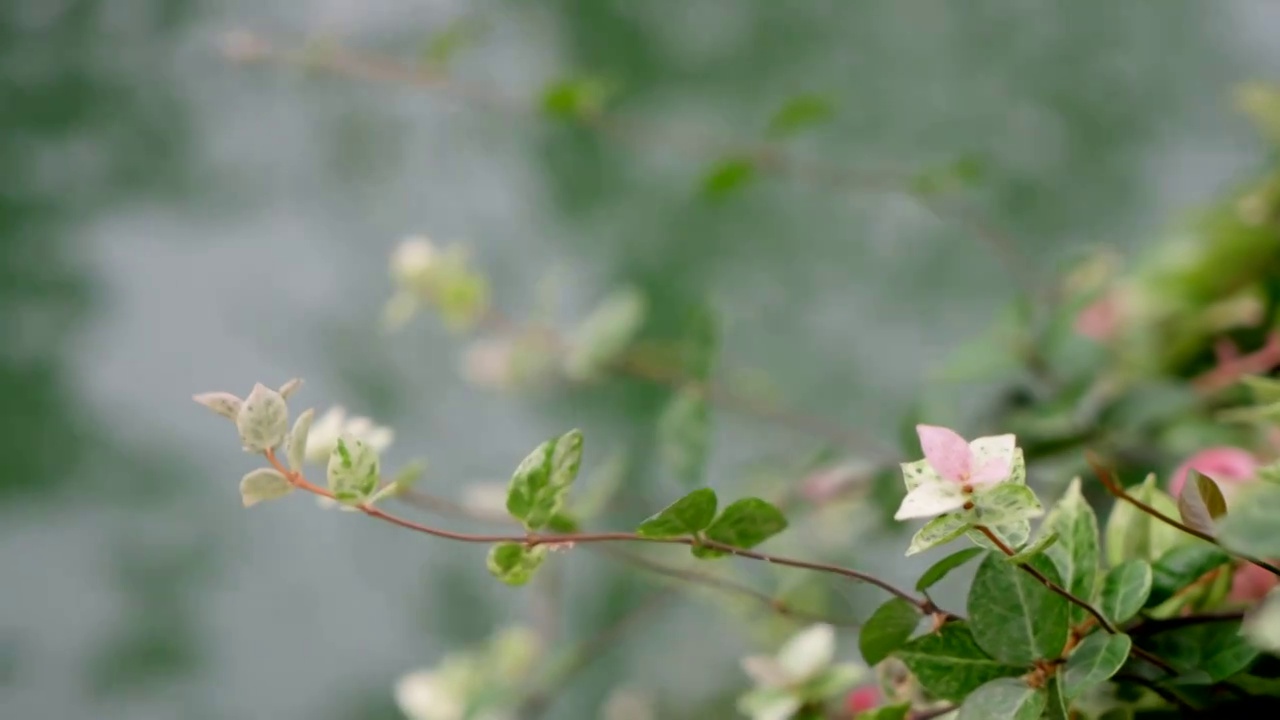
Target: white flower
[414, 260]
[327, 428]
[427, 695]
[801, 672]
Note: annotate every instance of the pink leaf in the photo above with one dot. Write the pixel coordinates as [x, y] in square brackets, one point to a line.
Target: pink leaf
[992, 459]
[946, 451]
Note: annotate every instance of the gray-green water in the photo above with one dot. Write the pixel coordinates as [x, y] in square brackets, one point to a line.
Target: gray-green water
[171, 223]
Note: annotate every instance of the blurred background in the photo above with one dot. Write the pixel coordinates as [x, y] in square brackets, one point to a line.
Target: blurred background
[173, 222]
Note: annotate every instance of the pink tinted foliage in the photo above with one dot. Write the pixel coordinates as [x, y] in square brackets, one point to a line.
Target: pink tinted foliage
[946, 451]
[997, 465]
[863, 699]
[1100, 319]
[1224, 465]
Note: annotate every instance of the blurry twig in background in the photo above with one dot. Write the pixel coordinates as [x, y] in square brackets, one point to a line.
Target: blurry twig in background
[766, 158]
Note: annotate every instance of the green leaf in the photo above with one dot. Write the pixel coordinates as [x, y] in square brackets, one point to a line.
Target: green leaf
[1125, 590]
[1013, 535]
[1216, 649]
[1262, 626]
[943, 567]
[1200, 502]
[1005, 503]
[263, 484]
[1078, 555]
[698, 351]
[1094, 661]
[542, 479]
[727, 176]
[887, 712]
[743, 524]
[513, 563]
[950, 665]
[1015, 618]
[606, 333]
[576, 98]
[800, 112]
[444, 45]
[1132, 533]
[1251, 528]
[684, 435]
[1057, 707]
[353, 471]
[888, 629]
[296, 444]
[1266, 390]
[1004, 699]
[563, 523]
[1041, 544]
[959, 174]
[686, 516]
[938, 531]
[1180, 567]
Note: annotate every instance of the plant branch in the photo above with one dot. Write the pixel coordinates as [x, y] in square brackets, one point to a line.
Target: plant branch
[298, 480]
[1151, 626]
[1102, 620]
[1114, 488]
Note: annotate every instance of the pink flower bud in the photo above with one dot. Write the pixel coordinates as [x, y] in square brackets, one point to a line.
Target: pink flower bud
[1226, 466]
[863, 699]
[1250, 584]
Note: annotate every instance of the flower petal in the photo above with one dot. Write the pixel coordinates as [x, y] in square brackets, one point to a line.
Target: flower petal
[774, 705]
[946, 451]
[808, 652]
[992, 459]
[930, 499]
[422, 696]
[764, 671]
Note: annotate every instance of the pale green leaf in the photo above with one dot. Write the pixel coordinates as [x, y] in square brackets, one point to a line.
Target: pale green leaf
[513, 563]
[1094, 661]
[1125, 590]
[1004, 699]
[1077, 555]
[1037, 547]
[606, 333]
[1004, 504]
[1252, 527]
[1194, 503]
[938, 531]
[296, 444]
[1132, 533]
[684, 435]
[353, 470]
[263, 419]
[263, 484]
[799, 113]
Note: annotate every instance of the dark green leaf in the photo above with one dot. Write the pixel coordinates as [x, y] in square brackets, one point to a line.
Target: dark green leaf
[566, 458]
[688, 515]
[1077, 555]
[1251, 528]
[888, 628]
[727, 176]
[743, 524]
[1125, 590]
[1180, 567]
[563, 522]
[1057, 708]
[1004, 699]
[799, 113]
[575, 98]
[1094, 661]
[684, 436]
[940, 569]
[513, 563]
[1014, 617]
[1216, 649]
[950, 665]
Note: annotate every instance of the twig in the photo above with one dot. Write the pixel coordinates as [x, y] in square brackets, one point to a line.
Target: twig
[931, 714]
[1151, 626]
[1114, 488]
[1165, 693]
[298, 480]
[1103, 622]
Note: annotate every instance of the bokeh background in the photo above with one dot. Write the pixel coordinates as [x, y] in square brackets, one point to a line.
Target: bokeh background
[171, 222]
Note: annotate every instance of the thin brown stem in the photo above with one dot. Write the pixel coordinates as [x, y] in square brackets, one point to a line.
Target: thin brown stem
[1151, 626]
[931, 714]
[1114, 488]
[1102, 620]
[532, 539]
